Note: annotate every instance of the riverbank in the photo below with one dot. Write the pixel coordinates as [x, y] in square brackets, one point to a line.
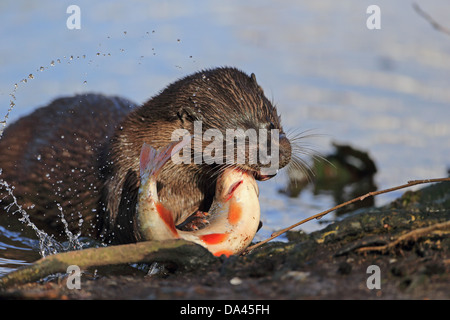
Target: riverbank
[399, 251]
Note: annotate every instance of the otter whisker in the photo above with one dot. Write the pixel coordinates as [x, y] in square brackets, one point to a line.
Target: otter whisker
[297, 165]
[301, 146]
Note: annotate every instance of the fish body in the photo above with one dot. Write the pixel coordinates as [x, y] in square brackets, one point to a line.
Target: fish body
[234, 213]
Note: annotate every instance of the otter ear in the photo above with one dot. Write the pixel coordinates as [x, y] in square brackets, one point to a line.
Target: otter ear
[253, 77]
[188, 114]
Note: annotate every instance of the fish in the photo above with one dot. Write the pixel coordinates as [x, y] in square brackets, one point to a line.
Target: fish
[233, 217]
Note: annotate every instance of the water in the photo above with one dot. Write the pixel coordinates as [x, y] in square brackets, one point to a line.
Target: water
[383, 91]
[16, 250]
[24, 244]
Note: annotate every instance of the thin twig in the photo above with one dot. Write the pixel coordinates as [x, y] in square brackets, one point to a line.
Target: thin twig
[183, 253]
[321, 214]
[430, 19]
[412, 235]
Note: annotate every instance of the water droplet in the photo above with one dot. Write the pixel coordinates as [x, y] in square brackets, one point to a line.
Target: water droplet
[52, 63]
[41, 69]
[30, 76]
[236, 281]
[38, 157]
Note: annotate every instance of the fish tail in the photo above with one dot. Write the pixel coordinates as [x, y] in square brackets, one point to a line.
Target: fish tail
[152, 160]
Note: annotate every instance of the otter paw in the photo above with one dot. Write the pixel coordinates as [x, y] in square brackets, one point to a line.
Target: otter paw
[195, 222]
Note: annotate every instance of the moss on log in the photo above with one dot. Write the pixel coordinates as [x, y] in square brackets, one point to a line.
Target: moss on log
[184, 254]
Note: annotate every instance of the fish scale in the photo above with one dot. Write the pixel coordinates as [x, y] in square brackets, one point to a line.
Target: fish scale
[235, 211]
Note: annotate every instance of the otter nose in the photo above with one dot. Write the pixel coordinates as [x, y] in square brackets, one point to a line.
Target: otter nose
[285, 150]
[276, 156]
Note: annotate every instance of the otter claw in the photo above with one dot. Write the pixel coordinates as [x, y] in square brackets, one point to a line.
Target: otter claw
[195, 222]
[201, 214]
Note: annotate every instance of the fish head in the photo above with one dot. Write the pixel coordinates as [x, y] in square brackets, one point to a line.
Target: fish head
[234, 182]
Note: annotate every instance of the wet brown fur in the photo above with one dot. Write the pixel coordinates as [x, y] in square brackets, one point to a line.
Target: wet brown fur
[55, 155]
[108, 153]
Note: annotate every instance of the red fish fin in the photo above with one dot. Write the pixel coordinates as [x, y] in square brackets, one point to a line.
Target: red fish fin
[167, 217]
[234, 212]
[227, 253]
[152, 160]
[147, 156]
[214, 238]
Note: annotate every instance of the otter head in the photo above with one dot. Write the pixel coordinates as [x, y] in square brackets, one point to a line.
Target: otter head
[234, 123]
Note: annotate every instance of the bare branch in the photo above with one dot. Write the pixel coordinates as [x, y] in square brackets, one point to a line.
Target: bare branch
[430, 19]
[412, 235]
[321, 214]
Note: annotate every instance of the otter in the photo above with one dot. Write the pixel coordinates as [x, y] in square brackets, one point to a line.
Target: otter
[82, 153]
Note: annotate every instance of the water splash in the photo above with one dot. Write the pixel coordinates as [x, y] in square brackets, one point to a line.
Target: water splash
[73, 240]
[11, 107]
[47, 244]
